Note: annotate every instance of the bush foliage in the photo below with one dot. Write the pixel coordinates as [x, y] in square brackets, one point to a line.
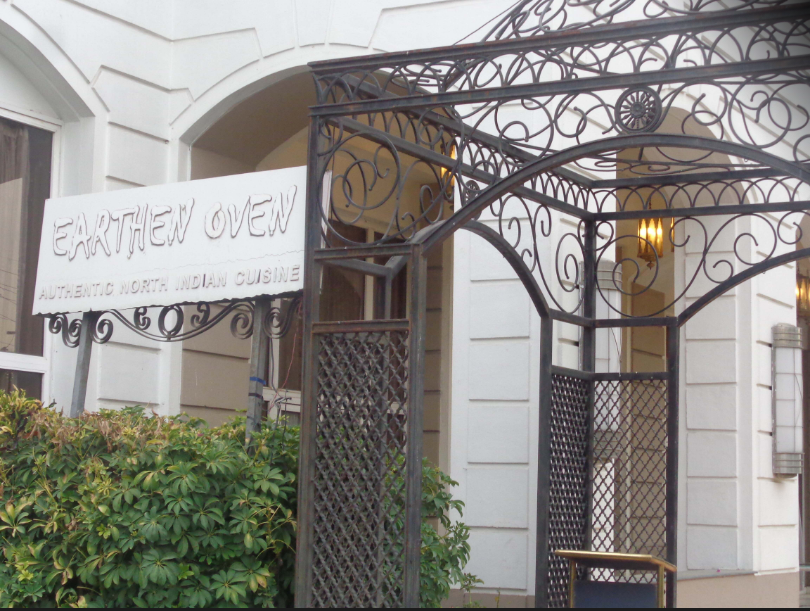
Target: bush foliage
[123, 509]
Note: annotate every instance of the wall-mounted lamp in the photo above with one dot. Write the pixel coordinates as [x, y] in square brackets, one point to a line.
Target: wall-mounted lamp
[445, 171]
[803, 294]
[650, 240]
[788, 418]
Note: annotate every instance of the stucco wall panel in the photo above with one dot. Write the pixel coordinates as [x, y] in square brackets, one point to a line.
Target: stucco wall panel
[312, 18]
[137, 158]
[764, 447]
[404, 26]
[711, 406]
[91, 39]
[712, 502]
[695, 272]
[718, 320]
[711, 362]
[499, 310]
[497, 497]
[152, 15]
[200, 63]
[711, 547]
[179, 101]
[779, 547]
[128, 374]
[779, 284]
[134, 103]
[274, 21]
[486, 263]
[498, 434]
[499, 371]
[777, 503]
[504, 565]
[711, 454]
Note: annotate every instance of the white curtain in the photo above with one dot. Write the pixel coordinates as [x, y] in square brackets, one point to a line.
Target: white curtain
[14, 170]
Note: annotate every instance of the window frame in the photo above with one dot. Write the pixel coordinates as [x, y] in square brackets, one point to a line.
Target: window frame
[24, 362]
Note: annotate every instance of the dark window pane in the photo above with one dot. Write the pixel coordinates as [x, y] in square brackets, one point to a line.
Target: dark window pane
[25, 177]
[399, 292]
[343, 296]
[31, 383]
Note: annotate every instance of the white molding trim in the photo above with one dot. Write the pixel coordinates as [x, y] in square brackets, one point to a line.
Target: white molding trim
[23, 362]
[38, 120]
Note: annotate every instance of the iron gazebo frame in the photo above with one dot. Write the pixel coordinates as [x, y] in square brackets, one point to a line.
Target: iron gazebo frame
[596, 110]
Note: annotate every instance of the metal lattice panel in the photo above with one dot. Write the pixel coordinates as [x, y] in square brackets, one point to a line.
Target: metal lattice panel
[359, 502]
[630, 471]
[569, 479]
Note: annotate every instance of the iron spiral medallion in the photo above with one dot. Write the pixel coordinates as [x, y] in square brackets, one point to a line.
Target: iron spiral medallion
[638, 110]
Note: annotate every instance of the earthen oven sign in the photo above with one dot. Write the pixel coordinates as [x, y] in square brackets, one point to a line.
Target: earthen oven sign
[206, 240]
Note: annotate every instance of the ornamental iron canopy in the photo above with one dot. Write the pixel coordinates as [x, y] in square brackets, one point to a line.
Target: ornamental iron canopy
[570, 125]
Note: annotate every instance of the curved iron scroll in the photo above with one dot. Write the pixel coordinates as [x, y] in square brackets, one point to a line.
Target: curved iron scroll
[174, 324]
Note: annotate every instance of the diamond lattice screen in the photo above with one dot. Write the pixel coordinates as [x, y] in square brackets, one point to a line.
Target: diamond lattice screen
[569, 479]
[360, 492]
[630, 472]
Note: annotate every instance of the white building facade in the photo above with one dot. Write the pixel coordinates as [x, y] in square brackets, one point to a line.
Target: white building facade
[103, 95]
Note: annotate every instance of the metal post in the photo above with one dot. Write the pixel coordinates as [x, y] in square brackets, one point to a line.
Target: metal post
[673, 437]
[389, 289]
[543, 463]
[259, 351]
[85, 352]
[309, 416]
[588, 350]
[416, 395]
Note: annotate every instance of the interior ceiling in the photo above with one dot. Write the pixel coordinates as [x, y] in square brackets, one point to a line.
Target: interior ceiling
[258, 125]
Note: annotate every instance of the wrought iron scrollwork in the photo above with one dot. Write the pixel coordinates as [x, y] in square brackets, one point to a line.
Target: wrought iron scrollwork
[177, 323]
[69, 329]
[752, 239]
[278, 321]
[173, 324]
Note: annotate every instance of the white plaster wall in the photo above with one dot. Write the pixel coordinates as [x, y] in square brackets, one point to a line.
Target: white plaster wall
[130, 85]
[494, 415]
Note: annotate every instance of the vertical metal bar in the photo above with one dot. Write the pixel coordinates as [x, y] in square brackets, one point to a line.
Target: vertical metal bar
[389, 290]
[661, 579]
[85, 352]
[310, 313]
[588, 350]
[543, 464]
[416, 395]
[572, 582]
[259, 351]
[673, 437]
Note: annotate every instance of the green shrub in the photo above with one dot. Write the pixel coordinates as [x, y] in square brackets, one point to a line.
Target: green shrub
[120, 509]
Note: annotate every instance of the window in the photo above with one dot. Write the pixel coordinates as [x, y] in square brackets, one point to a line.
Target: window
[25, 177]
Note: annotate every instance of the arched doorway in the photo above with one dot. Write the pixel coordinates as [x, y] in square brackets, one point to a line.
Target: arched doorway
[249, 139]
[561, 112]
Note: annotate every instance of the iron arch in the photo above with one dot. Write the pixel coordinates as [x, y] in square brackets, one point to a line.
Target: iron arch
[505, 185]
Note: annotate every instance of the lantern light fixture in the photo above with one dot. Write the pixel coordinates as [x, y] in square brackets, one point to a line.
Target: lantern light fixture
[803, 295]
[650, 240]
[788, 408]
[445, 171]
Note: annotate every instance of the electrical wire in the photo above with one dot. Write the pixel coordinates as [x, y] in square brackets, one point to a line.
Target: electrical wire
[498, 16]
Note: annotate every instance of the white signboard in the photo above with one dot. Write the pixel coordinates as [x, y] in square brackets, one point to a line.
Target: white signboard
[206, 240]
